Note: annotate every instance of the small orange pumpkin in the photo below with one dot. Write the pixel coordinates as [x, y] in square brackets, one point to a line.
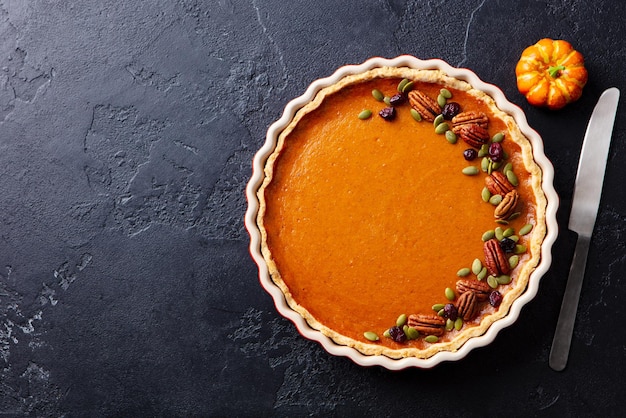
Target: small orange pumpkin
[551, 73]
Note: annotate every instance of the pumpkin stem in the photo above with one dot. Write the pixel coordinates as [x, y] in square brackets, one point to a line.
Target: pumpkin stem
[555, 71]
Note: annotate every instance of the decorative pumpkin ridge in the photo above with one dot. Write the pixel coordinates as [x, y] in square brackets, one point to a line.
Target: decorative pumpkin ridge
[551, 73]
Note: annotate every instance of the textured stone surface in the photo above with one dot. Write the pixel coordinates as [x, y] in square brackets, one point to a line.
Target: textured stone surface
[126, 135]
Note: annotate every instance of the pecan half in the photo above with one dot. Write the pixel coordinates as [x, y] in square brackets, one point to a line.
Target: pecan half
[495, 258]
[507, 206]
[469, 118]
[427, 324]
[427, 107]
[497, 183]
[467, 306]
[473, 134]
[481, 289]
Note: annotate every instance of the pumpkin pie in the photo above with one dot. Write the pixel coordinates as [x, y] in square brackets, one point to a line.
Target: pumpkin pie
[401, 212]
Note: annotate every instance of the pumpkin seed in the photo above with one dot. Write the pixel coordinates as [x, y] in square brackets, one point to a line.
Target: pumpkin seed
[499, 233]
[498, 137]
[445, 93]
[488, 235]
[477, 266]
[495, 199]
[441, 312]
[514, 238]
[525, 229]
[470, 170]
[482, 274]
[510, 175]
[438, 306]
[492, 282]
[513, 216]
[501, 221]
[365, 114]
[490, 167]
[458, 324]
[484, 164]
[508, 232]
[449, 324]
[387, 100]
[442, 128]
[371, 335]
[495, 165]
[401, 321]
[449, 292]
[441, 100]
[483, 151]
[519, 249]
[431, 339]
[485, 194]
[408, 87]
[416, 115]
[412, 333]
[402, 84]
[513, 261]
[438, 120]
[387, 334]
[503, 279]
[507, 167]
[451, 137]
[463, 272]
[378, 95]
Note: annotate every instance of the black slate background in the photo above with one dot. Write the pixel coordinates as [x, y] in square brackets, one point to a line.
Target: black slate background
[127, 131]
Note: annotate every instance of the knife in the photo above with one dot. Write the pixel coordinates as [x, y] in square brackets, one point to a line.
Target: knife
[587, 192]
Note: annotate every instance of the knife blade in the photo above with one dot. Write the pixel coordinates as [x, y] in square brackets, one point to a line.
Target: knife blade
[585, 204]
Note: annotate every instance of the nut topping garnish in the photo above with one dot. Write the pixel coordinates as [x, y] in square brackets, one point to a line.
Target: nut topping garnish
[497, 183]
[507, 206]
[427, 107]
[469, 118]
[471, 293]
[473, 134]
[495, 259]
[481, 288]
[427, 324]
[467, 306]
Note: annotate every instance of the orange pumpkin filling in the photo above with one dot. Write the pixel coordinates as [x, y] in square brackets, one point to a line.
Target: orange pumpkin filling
[369, 219]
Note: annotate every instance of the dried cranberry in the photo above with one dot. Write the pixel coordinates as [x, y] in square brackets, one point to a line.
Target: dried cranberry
[470, 154]
[496, 152]
[397, 99]
[495, 298]
[450, 312]
[397, 334]
[388, 113]
[507, 245]
[450, 110]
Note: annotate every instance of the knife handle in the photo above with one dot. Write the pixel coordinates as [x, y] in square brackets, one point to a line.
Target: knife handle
[567, 316]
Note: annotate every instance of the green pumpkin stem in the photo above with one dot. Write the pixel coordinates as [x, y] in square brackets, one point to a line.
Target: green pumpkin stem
[555, 71]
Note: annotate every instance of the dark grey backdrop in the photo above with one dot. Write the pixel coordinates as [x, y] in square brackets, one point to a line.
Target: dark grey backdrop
[126, 135]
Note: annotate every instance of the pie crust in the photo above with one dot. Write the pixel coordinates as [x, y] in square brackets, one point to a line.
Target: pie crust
[452, 341]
